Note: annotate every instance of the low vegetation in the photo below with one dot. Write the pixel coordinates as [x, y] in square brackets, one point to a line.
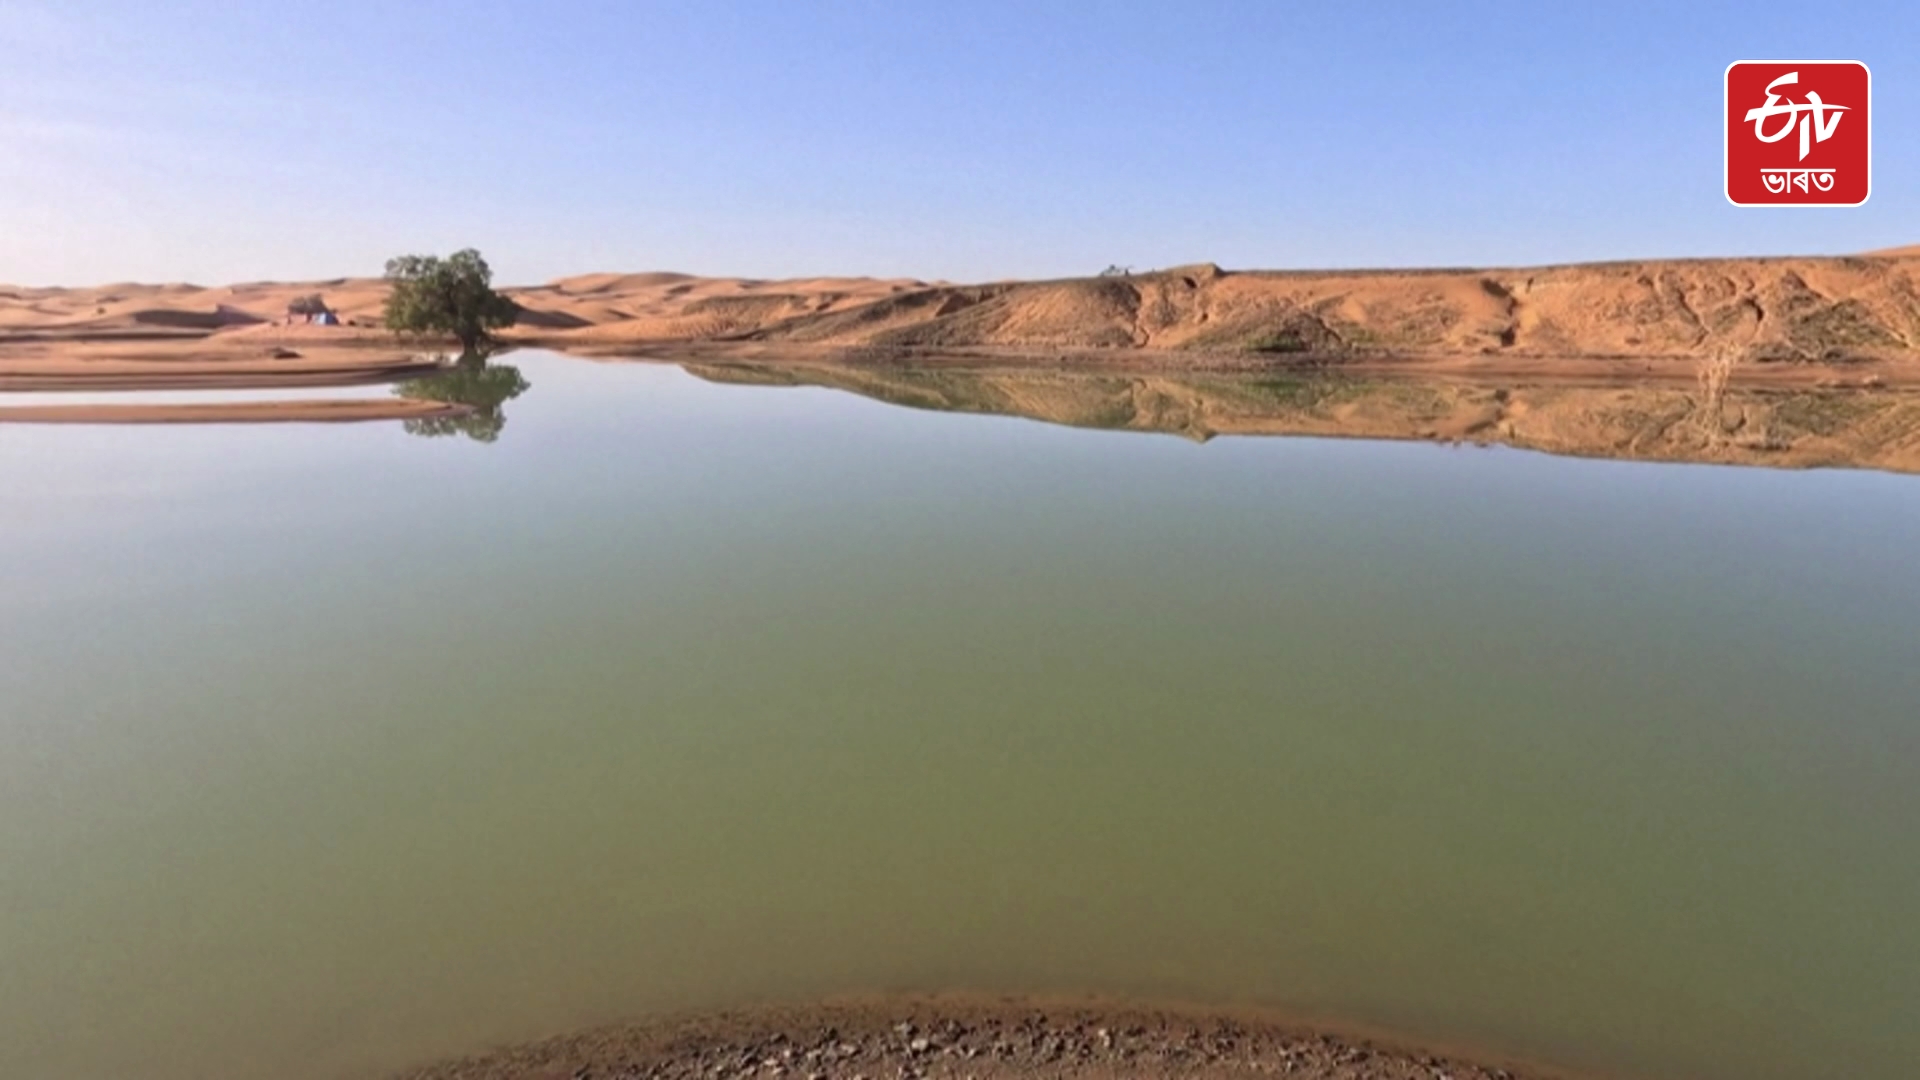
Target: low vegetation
[451, 296]
[1278, 341]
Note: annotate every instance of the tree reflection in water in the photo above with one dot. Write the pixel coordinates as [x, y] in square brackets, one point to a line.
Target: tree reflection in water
[483, 387]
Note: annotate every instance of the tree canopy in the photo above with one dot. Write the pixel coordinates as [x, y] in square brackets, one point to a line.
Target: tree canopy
[454, 295]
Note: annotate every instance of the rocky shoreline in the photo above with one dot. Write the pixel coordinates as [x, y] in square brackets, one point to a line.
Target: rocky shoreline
[953, 1039]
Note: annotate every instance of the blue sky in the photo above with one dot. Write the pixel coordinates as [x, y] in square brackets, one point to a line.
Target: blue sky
[215, 142]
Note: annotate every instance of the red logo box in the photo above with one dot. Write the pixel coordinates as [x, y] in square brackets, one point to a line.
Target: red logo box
[1799, 133]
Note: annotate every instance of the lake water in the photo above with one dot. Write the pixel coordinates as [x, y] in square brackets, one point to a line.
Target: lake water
[328, 749]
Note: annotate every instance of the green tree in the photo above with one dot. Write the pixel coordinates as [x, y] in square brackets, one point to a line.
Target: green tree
[453, 296]
[482, 387]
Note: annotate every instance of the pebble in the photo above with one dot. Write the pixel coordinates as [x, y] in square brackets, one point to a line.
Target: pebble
[1038, 1046]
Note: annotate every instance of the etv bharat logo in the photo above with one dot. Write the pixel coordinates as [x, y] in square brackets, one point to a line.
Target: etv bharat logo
[1826, 104]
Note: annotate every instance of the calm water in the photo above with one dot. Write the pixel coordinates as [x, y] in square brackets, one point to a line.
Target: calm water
[324, 750]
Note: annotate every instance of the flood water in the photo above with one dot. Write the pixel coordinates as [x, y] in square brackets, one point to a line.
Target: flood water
[328, 749]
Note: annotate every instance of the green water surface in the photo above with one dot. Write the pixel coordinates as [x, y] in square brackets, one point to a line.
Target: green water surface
[326, 750]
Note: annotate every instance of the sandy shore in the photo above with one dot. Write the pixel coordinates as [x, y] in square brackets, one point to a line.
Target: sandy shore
[320, 410]
[196, 371]
[219, 362]
[981, 1039]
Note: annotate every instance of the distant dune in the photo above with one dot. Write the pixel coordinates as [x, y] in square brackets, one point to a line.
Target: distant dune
[1839, 309]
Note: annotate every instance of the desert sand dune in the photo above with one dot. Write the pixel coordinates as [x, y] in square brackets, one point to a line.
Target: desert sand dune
[1761, 309]
[1827, 310]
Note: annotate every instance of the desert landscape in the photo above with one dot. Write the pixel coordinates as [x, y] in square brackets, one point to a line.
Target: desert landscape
[1783, 319]
[1789, 361]
[1784, 363]
[870, 541]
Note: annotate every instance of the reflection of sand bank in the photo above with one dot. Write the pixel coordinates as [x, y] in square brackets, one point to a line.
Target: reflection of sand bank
[1671, 420]
[952, 1038]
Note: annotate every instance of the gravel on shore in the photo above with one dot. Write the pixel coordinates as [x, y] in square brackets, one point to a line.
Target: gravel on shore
[942, 1039]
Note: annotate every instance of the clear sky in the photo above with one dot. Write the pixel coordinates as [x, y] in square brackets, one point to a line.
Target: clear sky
[222, 141]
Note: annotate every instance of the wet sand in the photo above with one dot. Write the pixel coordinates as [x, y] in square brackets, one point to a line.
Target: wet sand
[234, 412]
[199, 371]
[950, 1038]
[194, 369]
